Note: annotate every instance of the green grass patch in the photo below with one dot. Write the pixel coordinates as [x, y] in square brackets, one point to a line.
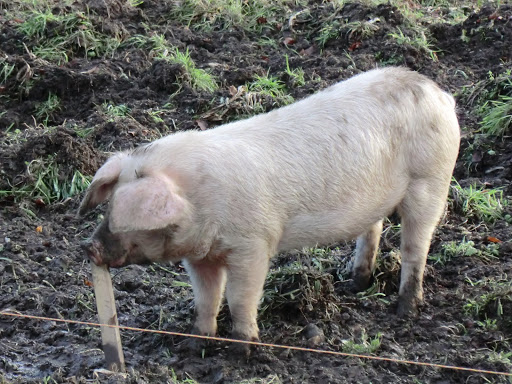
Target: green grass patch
[207, 15]
[367, 345]
[197, 78]
[296, 75]
[45, 110]
[58, 37]
[115, 111]
[6, 70]
[491, 303]
[496, 105]
[418, 41]
[480, 203]
[464, 248]
[270, 86]
[44, 181]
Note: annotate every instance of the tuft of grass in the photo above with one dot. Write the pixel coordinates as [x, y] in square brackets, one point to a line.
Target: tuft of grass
[44, 181]
[207, 15]
[493, 97]
[83, 132]
[497, 116]
[270, 86]
[59, 37]
[362, 29]
[491, 303]
[115, 111]
[198, 79]
[489, 324]
[296, 75]
[6, 70]
[328, 32]
[45, 109]
[465, 248]
[419, 42]
[298, 289]
[480, 203]
[367, 345]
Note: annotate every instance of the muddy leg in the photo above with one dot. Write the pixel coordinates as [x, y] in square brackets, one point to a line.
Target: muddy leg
[208, 282]
[420, 212]
[246, 277]
[366, 250]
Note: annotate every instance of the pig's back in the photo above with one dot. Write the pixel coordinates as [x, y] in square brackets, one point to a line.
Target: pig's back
[346, 154]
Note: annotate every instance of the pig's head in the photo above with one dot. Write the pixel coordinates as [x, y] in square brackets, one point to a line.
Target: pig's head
[144, 210]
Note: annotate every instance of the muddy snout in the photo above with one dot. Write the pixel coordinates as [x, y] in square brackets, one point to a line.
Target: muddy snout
[92, 251]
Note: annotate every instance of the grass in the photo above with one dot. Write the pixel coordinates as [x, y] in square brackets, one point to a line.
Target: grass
[479, 203]
[419, 42]
[368, 345]
[268, 85]
[207, 15]
[296, 75]
[362, 29]
[494, 97]
[6, 70]
[492, 100]
[46, 109]
[115, 111]
[490, 304]
[297, 288]
[45, 183]
[497, 116]
[328, 32]
[58, 37]
[197, 78]
[464, 248]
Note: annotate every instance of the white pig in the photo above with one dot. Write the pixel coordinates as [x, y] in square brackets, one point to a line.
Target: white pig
[322, 170]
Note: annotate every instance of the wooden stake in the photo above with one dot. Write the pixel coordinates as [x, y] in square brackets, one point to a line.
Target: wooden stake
[106, 305]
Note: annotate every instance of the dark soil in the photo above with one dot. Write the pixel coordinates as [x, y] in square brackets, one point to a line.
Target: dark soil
[466, 319]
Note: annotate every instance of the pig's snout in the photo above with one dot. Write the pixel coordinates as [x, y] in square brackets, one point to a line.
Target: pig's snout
[92, 250]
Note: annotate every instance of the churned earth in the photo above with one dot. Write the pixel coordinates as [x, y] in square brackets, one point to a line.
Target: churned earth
[80, 80]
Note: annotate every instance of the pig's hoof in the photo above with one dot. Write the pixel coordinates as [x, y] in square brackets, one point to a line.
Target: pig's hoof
[192, 345]
[360, 280]
[357, 284]
[242, 350]
[407, 309]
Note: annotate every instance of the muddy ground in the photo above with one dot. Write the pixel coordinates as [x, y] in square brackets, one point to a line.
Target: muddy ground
[109, 100]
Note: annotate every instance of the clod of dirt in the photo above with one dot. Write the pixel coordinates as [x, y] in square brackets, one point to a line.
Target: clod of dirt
[314, 335]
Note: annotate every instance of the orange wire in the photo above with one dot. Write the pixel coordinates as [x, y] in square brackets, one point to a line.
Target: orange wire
[389, 359]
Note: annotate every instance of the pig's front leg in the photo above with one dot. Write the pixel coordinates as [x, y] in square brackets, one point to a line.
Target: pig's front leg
[208, 282]
[246, 276]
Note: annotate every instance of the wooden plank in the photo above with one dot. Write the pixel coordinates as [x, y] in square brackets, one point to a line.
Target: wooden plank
[106, 305]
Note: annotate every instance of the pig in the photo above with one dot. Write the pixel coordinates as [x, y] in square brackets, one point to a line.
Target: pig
[325, 169]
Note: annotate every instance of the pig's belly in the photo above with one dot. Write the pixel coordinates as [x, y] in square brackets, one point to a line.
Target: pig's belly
[324, 228]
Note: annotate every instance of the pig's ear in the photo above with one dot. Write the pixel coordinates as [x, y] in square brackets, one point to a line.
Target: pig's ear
[102, 184]
[144, 204]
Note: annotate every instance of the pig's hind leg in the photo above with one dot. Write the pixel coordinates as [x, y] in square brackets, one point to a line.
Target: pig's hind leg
[208, 282]
[420, 212]
[367, 246]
